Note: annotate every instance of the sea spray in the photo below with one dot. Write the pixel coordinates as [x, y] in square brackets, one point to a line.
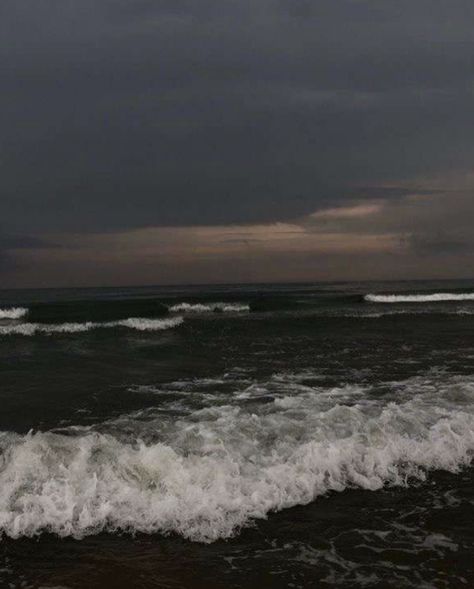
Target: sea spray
[214, 470]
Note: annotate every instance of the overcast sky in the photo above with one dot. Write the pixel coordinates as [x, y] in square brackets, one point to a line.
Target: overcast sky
[176, 141]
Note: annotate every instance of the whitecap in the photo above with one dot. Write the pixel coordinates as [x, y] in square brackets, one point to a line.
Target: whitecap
[209, 308]
[138, 323]
[13, 313]
[419, 298]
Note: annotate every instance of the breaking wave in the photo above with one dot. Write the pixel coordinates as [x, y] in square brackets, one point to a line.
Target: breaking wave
[215, 469]
[209, 308]
[419, 298]
[139, 323]
[13, 313]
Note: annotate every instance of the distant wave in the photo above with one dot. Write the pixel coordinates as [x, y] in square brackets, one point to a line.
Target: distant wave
[141, 324]
[419, 298]
[217, 468]
[13, 313]
[209, 308]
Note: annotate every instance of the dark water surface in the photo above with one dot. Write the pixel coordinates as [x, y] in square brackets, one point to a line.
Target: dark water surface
[282, 436]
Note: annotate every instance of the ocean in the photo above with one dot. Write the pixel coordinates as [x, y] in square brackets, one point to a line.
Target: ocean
[312, 435]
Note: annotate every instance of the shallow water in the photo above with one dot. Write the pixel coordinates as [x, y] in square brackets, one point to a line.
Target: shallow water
[235, 436]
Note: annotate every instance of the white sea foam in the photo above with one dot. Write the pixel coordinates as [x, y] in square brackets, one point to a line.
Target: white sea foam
[209, 473]
[419, 298]
[209, 308]
[139, 323]
[13, 313]
[144, 324]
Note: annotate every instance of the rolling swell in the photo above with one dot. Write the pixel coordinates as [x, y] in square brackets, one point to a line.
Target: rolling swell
[265, 304]
[95, 310]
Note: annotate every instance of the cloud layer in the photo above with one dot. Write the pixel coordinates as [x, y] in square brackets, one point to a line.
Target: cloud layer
[119, 115]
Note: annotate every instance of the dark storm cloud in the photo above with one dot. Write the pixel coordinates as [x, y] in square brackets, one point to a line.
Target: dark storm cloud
[125, 113]
[16, 242]
[439, 244]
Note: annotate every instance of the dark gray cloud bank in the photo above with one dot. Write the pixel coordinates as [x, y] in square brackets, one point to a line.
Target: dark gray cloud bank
[123, 114]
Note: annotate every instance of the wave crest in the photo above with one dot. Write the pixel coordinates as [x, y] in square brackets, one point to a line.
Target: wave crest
[209, 308]
[419, 298]
[138, 323]
[13, 313]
